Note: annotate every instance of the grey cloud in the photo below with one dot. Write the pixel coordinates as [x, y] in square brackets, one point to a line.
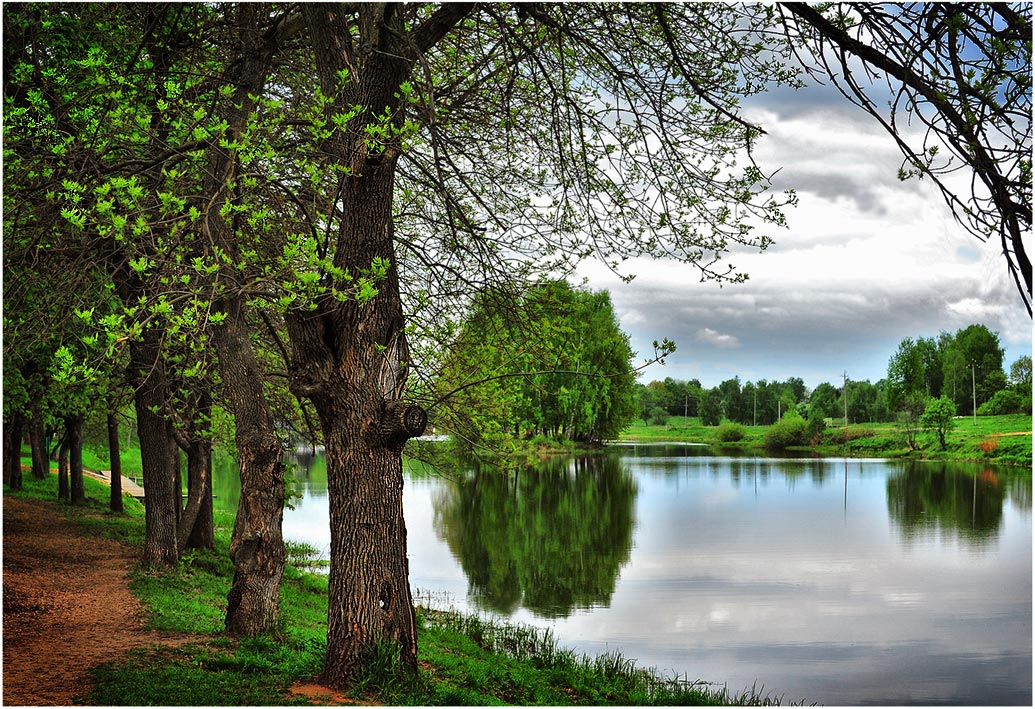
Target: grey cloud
[813, 334]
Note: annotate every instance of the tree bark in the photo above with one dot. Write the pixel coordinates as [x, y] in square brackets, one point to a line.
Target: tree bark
[74, 434]
[38, 441]
[63, 490]
[161, 496]
[13, 428]
[257, 543]
[203, 532]
[115, 463]
[195, 529]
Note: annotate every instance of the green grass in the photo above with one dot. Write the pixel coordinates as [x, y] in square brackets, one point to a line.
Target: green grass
[94, 517]
[998, 435]
[463, 659]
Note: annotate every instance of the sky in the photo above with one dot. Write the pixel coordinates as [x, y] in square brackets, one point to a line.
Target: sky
[866, 261]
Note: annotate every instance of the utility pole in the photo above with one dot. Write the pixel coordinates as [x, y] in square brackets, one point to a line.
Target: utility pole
[973, 391]
[754, 407]
[844, 395]
[686, 400]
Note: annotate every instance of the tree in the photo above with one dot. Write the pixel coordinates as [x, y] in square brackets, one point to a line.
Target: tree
[711, 407]
[1020, 380]
[939, 416]
[907, 386]
[1020, 374]
[142, 135]
[551, 362]
[963, 72]
[580, 104]
[823, 401]
[975, 359]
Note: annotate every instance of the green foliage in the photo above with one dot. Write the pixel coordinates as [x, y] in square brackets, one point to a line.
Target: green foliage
[711, 408]
[939, 416]
[814, 427]
[729, 433]
[788, 431]
[823, 402]
[552, 363]
[658, 416]
[1005, 401]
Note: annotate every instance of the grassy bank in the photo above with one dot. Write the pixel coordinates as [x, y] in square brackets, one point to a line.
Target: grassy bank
[463, 659]
[999, 439]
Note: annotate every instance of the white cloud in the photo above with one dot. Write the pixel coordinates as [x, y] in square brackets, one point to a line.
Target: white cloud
[713, 337]
[866, 261]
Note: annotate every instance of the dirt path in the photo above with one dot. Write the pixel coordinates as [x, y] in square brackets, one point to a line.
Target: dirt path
[67, 605]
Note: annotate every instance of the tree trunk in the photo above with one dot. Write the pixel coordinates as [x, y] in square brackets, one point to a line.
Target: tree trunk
[195, 527]
[114, 462]
[348, 361]
[38, 441]
[74, 431]
[349, 358]
[257, 543]
[13, 428]
[203, 533]
[161, 496]
[63, 491]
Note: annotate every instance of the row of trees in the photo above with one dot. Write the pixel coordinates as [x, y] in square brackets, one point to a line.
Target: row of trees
[229, 208]
[920, 370]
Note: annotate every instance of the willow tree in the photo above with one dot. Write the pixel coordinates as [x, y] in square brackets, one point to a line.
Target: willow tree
[478, 143]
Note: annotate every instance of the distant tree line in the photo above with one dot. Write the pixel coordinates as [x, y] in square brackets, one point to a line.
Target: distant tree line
[961, 367]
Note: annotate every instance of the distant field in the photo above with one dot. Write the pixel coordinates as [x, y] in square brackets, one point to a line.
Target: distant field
[1003, 439]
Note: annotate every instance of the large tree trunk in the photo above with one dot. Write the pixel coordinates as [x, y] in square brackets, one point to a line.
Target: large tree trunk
[348, 358]
[161, 496]
[114, 462]
[38, 441]
[257, 543]
[74, 434]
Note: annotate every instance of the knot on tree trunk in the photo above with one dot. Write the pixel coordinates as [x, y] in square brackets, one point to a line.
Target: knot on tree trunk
[401, 421]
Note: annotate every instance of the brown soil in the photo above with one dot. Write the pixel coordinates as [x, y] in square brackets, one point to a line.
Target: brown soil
[67, 605]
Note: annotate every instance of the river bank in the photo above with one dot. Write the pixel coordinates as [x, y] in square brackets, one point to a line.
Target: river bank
[1004, 440]
[464, 659]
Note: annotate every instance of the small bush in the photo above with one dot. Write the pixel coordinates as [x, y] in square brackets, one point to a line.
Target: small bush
[786, 432]
[1002, 402]
[658, 416]
[729, 432]
[989, 445]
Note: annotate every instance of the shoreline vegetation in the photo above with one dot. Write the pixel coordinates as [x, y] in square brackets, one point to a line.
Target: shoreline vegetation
[464, 659]
[1003, 440]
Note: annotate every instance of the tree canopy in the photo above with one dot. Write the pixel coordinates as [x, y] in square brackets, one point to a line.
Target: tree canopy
[551, 362]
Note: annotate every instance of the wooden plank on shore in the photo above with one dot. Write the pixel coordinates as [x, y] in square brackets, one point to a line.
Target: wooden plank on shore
[128, 486]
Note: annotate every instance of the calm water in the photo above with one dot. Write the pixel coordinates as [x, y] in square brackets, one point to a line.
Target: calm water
[832, 581]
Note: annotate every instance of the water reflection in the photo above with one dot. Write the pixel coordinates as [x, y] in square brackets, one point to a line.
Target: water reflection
[929, 498]
[836, 581]
[550, 539]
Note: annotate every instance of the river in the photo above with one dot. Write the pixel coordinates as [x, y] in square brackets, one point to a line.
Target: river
[826, 580]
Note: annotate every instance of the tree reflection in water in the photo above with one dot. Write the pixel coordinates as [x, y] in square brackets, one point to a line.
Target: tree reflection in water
[551, 538]
[927, 497]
